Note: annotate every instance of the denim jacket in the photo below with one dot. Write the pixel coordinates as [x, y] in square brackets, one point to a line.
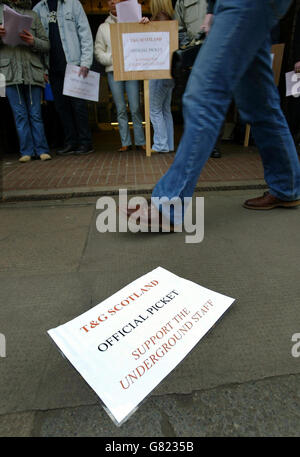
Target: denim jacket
[74, 29]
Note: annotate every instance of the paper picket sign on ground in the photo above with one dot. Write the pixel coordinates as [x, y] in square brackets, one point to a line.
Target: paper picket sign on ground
[126, 345]
[129, 11]
[292, 80]
[79, 87]
[14, 24]
[146, 51]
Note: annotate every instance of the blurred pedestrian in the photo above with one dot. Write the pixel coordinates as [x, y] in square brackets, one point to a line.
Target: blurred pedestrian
[23, 70]
[71, 42]
[118, 89]
[230, 64]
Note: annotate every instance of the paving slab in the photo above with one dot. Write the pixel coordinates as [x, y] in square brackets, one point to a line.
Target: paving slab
[35, 239]
[251, 256]
[17, 425]
[264, 408]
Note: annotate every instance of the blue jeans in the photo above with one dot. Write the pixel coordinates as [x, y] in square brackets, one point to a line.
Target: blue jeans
[161, 115]
[25, 102]
[234, 62]
[118, 89]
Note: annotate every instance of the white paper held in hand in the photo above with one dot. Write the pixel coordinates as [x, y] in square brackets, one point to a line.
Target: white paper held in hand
[129, 11]
[80, 87]
[126, 345]
[292, 80]
[14, 24]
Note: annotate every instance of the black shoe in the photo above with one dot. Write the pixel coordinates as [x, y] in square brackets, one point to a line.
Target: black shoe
[216, 154]
[84, 149]
[67, 150]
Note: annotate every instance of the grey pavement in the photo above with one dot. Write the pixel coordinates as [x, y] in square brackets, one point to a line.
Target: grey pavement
[240, 380]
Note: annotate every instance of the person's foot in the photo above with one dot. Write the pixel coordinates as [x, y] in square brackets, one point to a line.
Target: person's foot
[84, 149]
[67, 150]
[149, 218]
[216, 153]
[125, 148]
[140, 147]
[24, 159]
[268, 201]
[45, 157]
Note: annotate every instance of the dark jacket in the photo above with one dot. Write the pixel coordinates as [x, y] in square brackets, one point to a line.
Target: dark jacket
[296, 42]
[210, 6]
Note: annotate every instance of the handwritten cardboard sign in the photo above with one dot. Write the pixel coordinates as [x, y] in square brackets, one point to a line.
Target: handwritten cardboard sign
[126, 345]
[143, 51]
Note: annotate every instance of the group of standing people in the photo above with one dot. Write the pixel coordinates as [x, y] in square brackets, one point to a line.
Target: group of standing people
[160, 89]
[103, 54]
[193, 17]
[60, 34]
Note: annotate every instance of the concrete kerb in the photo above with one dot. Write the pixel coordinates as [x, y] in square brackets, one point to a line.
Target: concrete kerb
[75, 192]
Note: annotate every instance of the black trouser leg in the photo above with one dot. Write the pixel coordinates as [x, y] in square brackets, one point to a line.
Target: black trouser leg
[64, 109]
[81, 119]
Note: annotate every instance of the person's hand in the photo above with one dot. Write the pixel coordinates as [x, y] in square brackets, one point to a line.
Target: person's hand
[27, 37]
[46, 78]
[84, 71]
[2, 31]
[206, 26]
[297, 67]
[144, 20]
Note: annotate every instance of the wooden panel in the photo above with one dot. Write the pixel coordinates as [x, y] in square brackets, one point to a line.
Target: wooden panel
[116, 31]
[147, 118]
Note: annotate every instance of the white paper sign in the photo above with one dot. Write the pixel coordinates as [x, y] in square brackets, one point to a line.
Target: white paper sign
[79, 87]
[146, 51]
[14, 24]
[126, 345]
[129, 11]
[292, 84]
